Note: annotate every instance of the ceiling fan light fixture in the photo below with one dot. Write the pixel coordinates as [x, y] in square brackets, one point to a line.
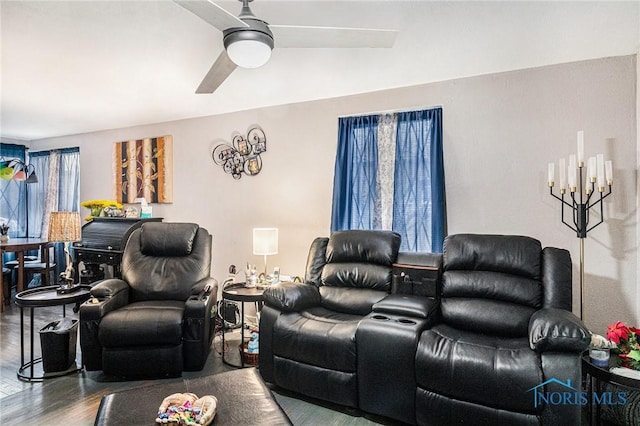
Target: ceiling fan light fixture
[249, 47]
[249, 53]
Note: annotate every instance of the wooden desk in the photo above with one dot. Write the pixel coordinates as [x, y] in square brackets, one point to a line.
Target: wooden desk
[19, 246]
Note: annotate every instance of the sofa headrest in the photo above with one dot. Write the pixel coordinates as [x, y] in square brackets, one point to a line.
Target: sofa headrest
[363, 246]
[167, 239]
[510, 254]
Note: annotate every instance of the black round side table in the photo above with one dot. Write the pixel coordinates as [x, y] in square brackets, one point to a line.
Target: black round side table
[37, 298]
[240, 293]
[596, 378]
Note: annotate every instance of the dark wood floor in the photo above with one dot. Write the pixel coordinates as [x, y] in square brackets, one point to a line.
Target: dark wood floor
[74, 399]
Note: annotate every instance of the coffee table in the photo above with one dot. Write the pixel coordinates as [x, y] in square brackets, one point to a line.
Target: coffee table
[240, 293]
[37, 298]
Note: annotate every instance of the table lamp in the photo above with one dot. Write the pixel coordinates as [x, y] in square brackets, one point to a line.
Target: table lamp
[265, 242]
[65, 227]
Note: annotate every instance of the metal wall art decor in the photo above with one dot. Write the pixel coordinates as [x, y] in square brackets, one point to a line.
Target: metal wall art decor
[243, 155]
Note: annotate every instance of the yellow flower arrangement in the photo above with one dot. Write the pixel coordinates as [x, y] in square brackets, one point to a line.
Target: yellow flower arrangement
[96, 207]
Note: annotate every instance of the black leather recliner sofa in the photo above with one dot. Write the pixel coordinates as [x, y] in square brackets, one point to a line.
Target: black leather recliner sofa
[308, 330]
[506, 328]
[499, 333]
[158, 320]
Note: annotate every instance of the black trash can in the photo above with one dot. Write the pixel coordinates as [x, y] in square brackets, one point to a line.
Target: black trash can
[58, 343]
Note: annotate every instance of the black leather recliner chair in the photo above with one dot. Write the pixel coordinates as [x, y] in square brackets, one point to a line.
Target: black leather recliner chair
[158, 320]
[308, 330]
[505, 332]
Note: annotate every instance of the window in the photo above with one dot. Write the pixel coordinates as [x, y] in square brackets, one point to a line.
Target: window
[57, 189]
[26, 207]
[389, 174]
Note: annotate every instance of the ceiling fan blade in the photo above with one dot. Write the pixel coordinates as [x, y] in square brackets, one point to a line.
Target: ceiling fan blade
[219, 71]
[212, 14]
[295, 36]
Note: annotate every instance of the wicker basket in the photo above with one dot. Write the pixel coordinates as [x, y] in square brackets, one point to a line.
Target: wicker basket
[247, 358]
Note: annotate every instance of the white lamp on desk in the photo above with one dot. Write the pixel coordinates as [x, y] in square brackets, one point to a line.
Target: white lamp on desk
[265, 242]
[65, 227]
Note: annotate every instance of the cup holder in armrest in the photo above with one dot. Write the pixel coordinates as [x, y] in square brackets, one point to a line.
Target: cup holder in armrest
[380, 317]
[401, 321]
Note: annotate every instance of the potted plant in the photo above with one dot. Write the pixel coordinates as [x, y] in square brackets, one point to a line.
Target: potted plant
[97, 206]
[4, 232]
[626, 344]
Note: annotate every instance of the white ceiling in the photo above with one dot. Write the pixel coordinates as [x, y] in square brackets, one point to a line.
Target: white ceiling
[79, 66]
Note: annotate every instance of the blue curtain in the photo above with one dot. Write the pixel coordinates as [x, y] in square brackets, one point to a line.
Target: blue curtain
[354, 185]
[419, 208]
[419, 199]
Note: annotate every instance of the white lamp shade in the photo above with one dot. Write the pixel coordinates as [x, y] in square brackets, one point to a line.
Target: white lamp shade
[265, 241]
[249, 53]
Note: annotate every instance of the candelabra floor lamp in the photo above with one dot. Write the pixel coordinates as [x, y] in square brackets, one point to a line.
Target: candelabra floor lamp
[584, 192]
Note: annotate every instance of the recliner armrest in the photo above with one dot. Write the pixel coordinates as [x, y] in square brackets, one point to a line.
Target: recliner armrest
[557, 330]
[292, 297]
[204, 287]
[108, 288]
[107, 295]
[204, 294]
[407, 305]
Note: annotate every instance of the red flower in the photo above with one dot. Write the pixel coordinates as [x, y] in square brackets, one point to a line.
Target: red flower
[618, 331]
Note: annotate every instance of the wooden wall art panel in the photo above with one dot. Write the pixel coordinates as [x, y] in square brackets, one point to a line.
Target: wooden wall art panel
[144, 169]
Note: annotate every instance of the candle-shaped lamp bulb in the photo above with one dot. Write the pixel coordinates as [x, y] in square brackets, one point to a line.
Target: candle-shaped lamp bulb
[592, 169]
[587, 185]
[580, 148]
[551, 173]
[563, 174]
[608, 169]
[572, 173]
[600, 171]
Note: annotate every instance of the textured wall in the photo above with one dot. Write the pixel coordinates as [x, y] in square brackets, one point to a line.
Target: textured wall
[500, 131]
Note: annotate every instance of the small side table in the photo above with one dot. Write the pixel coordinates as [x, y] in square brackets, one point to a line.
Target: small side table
[239, 293]
[37, 298]
[597, 376]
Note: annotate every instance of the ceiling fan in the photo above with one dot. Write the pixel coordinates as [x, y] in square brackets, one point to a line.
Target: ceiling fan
[248, 40]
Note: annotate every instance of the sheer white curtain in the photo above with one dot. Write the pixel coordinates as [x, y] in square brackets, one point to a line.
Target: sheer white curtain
[51, 197]
[387, 125]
